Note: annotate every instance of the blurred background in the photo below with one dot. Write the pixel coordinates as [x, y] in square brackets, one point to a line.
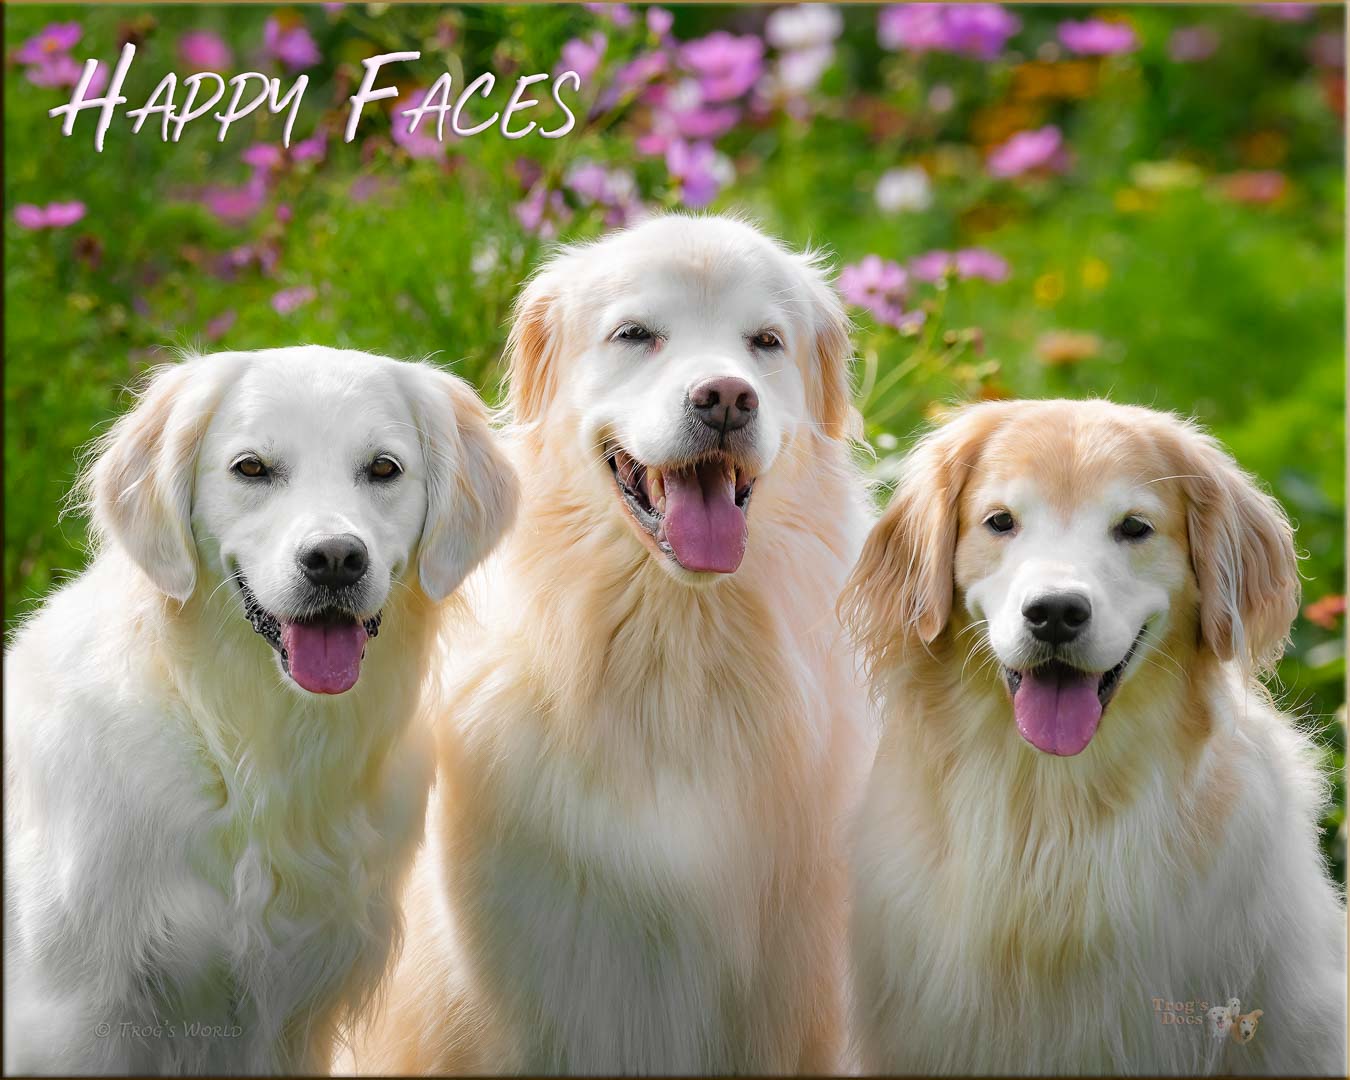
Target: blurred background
[1144, 202]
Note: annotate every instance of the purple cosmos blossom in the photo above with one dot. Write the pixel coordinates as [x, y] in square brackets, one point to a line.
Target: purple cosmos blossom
[291, 44]
[57, 215]
[65, 70]
[881, 287]
[618, 14]
[236, 204]
[204, 51]
[1285, 12]
[50, 41]
[613, 189]
[981, 263]
[583, 56]
[218, 327]
[543, 212]
[977, 30]
[726, 65]
[289, 300]
[701, 171]
[315, 147]
[1096, 37]
[932, 266]
[421, 143]
[1028, 150]
[1191, 44]
[262, 156]
[659, 21]
[680, 112]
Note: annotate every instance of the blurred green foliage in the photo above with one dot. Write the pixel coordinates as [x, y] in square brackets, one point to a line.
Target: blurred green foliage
[1176, 290]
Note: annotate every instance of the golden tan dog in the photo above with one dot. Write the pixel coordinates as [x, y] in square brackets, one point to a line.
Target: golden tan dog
[1083, 801]
[652, 730]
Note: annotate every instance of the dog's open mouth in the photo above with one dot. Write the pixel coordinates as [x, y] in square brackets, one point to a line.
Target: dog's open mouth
[694, 513]
[323, 652]
[1058, 707]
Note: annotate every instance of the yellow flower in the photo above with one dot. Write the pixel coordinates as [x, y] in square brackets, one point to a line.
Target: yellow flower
[1095, 273]
[1048, 288]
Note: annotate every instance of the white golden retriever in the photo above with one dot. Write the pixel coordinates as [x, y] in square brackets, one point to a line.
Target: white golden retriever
[215, 775]
[1083, 801]
[633, 862]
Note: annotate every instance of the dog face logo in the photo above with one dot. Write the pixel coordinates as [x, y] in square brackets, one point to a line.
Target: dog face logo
[1244, 1028]
[1220, 1021]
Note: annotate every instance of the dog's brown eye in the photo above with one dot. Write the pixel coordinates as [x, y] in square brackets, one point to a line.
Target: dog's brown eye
[766, 339]
[632, 332]
[1133, 528]
[1002, 522]
[384, 468]
[250, 467]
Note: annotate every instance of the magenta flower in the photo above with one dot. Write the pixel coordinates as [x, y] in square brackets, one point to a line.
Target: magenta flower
[421, 143]
[976, 30]
[63, 70]
[1285, 12]
[1191, 44]
[1096, 37]
[289, 300]
[618, 14]
[218, 327]
[881, 287]
[264, 156]
[234, 205]
[1029, 150]
[699, 169]
[316, 146]
[583, 56]
[932, 266]
[725, 65]
[981, 263]
[48, 42]
[57, 215]
[613, 189]
[204, 51]
[543, 212]
[659, 21]
[290, 43]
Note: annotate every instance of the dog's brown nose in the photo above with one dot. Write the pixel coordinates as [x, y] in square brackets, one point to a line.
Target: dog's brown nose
[724, 403]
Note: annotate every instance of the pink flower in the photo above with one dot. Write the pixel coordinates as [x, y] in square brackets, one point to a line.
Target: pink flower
[1327, 50]
[1285, 12]
[583, 57]
[699, 169]
[725, 65]
[423, 142]
[977, 30]
[881, 287]
[290, 43]
[1257, 188]
[932, 266]
[63, 70]
[316, 146]
[1096, 37]
[204, 50]
[614, 189]
[262, 156]
[289, 300]
[1029, 150]
[57, 215]
[659, 21]
[1191, 44]
[618, 14]
[981, 263]
[48, 42]
[542, 212]
[236, 204]
[218, 327]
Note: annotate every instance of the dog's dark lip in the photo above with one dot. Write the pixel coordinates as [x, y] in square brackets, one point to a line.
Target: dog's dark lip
[634, 481]
[1107, 685]
[268, 626]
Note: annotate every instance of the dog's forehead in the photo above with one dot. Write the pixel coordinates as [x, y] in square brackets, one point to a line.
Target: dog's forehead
[313, 393]
[1066, 456]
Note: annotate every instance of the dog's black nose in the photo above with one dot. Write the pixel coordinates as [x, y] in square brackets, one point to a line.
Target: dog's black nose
[1057, 617]
[724, 403]
[335, 561]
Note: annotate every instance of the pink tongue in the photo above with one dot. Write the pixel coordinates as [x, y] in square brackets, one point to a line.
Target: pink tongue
[703, 525]
[324, 658]
[1057, 710]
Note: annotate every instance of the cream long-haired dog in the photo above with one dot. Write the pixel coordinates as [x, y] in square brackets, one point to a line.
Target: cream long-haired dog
[215, 774]
[1084, 802]
[634, 861]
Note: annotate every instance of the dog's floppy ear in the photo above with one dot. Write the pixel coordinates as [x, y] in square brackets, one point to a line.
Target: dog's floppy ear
[831, 351]
[532, 348]
[900, 591]
[1242, 551]
[138, 489]
[471, 487]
